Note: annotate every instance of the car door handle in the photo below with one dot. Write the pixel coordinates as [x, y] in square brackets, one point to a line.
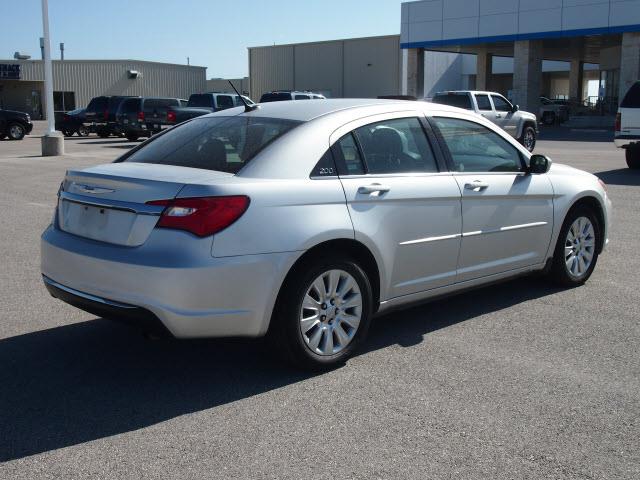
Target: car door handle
[476, 186]
[498, 115]
[373, 188]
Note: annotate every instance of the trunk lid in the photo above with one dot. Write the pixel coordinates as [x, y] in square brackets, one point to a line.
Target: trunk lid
[108, 203]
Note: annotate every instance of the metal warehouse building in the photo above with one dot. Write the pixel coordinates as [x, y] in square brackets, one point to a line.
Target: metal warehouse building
[75, 82]
[359, 67]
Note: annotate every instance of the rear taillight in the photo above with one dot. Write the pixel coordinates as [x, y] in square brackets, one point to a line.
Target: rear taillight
[618, 122]
[141, 116]
[105, 114]
[202, 216]
[171, 116]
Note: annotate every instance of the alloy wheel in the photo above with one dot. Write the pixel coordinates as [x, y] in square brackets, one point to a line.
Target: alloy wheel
[529, 140]
[579, 247]
[331, 312]
[16, 131]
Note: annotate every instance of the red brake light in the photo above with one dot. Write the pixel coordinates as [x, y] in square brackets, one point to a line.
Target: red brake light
[171, 116]
[202, 216]
[141, 116]
[618, 121]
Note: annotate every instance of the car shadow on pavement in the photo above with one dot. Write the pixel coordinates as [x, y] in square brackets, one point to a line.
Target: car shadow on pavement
[622, 176]
[81, 382]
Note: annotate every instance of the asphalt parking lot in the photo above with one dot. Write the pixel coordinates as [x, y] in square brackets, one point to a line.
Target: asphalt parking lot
[517, 380]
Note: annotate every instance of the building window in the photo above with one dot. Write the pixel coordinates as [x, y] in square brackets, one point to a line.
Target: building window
[64, 101]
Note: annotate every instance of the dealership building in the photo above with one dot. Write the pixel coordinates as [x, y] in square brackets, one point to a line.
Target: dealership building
[76, 82]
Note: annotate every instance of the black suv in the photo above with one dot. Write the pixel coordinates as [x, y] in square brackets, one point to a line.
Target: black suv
[143, 117]
[14, 125]
[100, 114]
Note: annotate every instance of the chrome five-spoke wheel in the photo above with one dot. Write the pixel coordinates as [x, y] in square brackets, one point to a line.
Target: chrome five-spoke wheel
[579, 247]
[331, 312]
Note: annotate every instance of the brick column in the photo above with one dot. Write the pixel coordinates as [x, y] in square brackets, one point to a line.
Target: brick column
[483, 70]
[575, 80]
[415, 72]
[527, 74]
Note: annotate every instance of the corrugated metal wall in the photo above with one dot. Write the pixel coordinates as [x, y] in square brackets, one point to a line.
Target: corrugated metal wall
[361, 67]
[89, 78]
[222, 85]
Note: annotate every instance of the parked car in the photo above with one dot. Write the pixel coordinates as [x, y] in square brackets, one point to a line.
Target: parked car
[143, 116]
[283, 95]
[73, 122]
[202, 103]
[627, 129]
[303, 220]
[494, 107]
[14, 125]
[553, 111]
[101, 112]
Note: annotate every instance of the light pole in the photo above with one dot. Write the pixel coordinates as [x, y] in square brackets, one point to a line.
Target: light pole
[52, 141]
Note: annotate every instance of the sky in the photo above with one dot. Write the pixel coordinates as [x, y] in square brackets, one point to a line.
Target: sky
[212, 33]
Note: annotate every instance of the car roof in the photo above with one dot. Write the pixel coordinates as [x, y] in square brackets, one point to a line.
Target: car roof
[306, 111]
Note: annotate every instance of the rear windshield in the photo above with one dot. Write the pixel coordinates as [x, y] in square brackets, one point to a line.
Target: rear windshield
[275, 97]
[224, 144]
[200, 100]
[632, 98]
[130, 105]
[151, 104]
[461, 100]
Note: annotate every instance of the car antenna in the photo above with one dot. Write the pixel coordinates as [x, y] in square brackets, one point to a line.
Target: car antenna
[247, 107]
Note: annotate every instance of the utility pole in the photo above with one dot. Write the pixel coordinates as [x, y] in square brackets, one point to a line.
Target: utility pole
[52, 141]
[62, 51]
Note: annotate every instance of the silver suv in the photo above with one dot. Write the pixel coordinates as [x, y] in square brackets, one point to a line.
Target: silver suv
[493, 106]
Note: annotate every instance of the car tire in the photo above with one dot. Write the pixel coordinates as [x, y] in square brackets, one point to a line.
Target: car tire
[549, 118]
[83, 131]
[579, 239]
[326, 339]
[67, 133]
[16, 131]
[528, 137]
[132, 138]
[632, 155]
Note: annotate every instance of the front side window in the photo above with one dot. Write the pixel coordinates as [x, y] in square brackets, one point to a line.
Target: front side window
[302, 97]
[396, 146]
[483, 102]
[475, 148]
[224, 144]
[501, 104]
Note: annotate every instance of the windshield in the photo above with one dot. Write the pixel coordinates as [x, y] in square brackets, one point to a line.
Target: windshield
[224, 144]
[200, 100]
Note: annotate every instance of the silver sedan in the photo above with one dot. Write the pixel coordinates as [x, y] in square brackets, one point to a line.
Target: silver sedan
[305, 219]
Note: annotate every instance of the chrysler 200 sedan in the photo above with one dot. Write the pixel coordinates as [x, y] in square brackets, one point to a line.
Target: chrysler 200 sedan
[304, 219]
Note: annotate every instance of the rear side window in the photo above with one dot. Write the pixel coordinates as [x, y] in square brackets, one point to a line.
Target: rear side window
[475, 148]
[302, 97]
[632, 98]
[224, 102]
[396, 146]
[325, 167]
[460, 100]
[224, 144]
[348, 157]
[483, 102]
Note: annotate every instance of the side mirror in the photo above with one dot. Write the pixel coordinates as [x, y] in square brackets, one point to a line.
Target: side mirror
[515, 108]
[539, 164]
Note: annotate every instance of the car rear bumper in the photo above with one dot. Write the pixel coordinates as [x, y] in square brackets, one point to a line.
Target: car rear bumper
[625, 140]
[191, 296]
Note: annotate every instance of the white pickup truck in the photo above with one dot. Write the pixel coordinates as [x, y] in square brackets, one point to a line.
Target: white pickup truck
[627, 133]
[493, 106]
